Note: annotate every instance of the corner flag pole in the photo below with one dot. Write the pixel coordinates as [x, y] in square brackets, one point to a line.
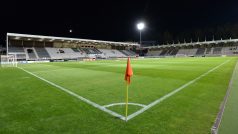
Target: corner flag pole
[126, 100]
[128, 76]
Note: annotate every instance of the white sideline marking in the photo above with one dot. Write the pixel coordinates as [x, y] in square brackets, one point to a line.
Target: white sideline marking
[77, 96]
[173, 92]
[123, 103]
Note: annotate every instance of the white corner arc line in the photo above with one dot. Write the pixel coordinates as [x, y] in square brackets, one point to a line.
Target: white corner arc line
[77, 96]
[123, 103]
[173, 92]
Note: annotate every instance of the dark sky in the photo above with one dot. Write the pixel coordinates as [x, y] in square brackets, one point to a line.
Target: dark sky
[113, 19]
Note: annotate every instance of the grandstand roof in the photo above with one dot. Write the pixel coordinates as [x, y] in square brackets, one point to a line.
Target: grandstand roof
[17, 36]
[195, 43]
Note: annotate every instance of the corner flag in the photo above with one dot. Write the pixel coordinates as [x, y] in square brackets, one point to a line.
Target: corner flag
[128, 75]
[129, 72]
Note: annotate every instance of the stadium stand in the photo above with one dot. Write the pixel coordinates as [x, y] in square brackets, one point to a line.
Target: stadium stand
[109, 53]
[229, 50]
[38, 47]
[182, 52]
[192, 52]
[174, 52]
[154, 53]
[75, 49]
[214, 51]
[97, 51]
[21, 56]
[34, 47]
[128, 53]
[163, 52]
[209, 51]
[200, 51]
[217, 50]
[64, 53]
[31, 54]
[42, 53]
[91, 50]
[16, 50]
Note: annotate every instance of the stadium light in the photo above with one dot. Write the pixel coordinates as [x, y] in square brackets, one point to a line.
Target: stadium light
[140, 27]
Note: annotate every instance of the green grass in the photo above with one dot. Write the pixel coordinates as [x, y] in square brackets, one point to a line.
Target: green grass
[29, 105]
[230, 116]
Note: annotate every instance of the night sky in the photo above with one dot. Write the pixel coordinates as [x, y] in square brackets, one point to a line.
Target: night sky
[114, 20]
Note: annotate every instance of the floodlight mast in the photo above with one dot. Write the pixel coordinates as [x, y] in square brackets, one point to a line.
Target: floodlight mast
[140, 27]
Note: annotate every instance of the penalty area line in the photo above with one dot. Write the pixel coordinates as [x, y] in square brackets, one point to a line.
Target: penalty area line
[173, 92]
[77, 96]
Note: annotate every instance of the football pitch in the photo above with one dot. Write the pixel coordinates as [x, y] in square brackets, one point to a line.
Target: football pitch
[167, 95]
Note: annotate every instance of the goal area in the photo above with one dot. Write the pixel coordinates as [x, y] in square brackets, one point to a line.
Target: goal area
[8, 60]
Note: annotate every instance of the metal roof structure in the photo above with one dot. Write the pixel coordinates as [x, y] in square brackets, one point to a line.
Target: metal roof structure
[195, 43]
[17, 36]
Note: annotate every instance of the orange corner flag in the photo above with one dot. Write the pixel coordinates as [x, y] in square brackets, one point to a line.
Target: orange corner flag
[129, 72]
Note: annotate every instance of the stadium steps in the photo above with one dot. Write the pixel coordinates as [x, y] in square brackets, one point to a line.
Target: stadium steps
[30, 54]
[97, 51]
[126, 54]
[174, 52]
[217, 50]
[75, 50]
[16, 50]
[86, 50]
[21, 56]
[200, 51]
[208, 51]
[42, 53]
[163, 52]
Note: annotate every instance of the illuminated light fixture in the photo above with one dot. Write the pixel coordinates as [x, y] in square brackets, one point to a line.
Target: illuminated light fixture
[140, 26]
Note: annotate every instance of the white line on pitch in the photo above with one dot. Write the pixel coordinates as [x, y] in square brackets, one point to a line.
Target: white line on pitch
[123, 103]
[173, 92]
[77, 96]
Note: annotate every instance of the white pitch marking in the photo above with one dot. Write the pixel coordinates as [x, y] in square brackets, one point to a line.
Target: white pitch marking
[173, 92]
[77, 96]
[123, 103]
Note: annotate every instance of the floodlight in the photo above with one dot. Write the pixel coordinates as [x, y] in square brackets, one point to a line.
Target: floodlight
[140, 26]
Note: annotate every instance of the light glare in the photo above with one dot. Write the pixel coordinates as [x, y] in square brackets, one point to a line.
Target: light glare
[140, 26]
